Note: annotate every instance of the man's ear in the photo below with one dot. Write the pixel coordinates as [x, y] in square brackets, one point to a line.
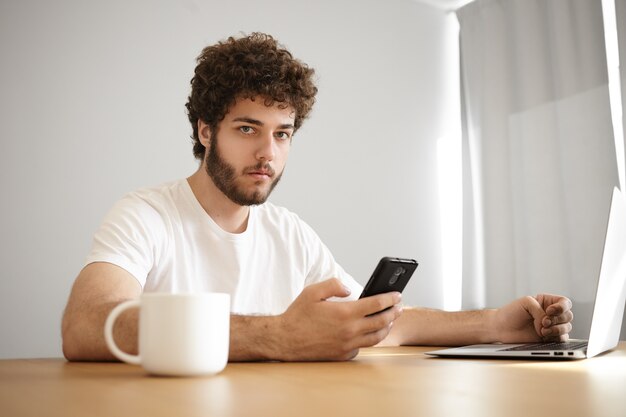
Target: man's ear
[204, 133]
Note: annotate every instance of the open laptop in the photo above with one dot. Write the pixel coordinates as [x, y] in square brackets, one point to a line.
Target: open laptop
[608, 309]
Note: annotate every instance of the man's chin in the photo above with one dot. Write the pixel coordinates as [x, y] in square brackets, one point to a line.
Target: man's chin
[250, 194]
[253, 198]
[259, 193]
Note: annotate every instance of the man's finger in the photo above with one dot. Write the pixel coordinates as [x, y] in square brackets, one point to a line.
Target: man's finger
[375, 322]
[532, 306]
[536, 312]
[557, 331]
[326, 289]
[555, 305]
[377, 303]
[566, 317]
[373, 338]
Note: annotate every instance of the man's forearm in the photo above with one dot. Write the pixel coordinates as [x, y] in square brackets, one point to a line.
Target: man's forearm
[427, 327]
[251, 338]
[83, 333]
[255, 338]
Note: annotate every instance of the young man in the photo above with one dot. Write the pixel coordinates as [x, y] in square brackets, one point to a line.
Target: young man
[214, 232]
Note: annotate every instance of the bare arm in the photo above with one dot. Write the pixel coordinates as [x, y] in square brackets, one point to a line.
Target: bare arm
[428, 327]
[99, 287]
[311, 328]
[527, 319]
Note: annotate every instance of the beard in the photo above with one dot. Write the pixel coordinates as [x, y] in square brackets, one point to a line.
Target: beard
[225, 178]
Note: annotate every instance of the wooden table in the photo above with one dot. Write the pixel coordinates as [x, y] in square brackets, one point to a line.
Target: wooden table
[382, 382]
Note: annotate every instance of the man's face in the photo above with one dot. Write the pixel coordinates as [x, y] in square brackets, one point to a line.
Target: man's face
[246, 156]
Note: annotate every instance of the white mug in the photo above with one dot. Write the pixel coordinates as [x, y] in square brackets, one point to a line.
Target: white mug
[179, 334]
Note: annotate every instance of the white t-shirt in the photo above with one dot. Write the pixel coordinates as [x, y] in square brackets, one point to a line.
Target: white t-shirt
[166, 240]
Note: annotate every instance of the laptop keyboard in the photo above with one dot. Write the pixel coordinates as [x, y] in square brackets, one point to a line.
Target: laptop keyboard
[550, 346]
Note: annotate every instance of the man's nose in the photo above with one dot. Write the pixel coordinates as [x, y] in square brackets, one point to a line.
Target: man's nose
[266, 150]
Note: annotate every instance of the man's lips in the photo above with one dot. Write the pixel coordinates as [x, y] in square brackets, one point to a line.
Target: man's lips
[261, 174]
[258, 175]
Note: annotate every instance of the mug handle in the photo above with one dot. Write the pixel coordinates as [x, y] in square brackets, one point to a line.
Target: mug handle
[108, 332]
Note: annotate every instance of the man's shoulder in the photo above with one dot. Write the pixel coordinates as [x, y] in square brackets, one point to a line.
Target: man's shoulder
[157, 192]
[154, 196]
[151, 203]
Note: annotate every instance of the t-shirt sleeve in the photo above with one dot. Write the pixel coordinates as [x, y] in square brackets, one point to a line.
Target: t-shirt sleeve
[322, 264]
[130, 237]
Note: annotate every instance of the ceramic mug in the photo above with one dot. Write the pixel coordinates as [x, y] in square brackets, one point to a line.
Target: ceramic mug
[179, 334]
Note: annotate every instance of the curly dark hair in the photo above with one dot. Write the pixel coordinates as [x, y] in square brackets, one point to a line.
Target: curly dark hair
[251, 66]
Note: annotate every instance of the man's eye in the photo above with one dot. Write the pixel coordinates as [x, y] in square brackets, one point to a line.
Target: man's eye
[246, 129]
[283, 135]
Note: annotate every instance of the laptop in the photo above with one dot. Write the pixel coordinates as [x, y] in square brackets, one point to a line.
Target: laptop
[608, 308]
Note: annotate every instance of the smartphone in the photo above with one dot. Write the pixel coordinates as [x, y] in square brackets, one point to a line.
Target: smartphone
[391, 274]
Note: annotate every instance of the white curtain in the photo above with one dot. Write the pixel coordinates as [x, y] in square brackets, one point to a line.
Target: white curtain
[620, 11]
[539, 153]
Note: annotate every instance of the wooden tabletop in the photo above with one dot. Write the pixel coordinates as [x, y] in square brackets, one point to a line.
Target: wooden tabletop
[380, 382]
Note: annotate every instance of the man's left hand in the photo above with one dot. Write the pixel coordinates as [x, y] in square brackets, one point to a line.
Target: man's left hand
[545, 317]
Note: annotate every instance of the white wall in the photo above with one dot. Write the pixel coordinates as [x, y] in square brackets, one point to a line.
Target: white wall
[92, 105]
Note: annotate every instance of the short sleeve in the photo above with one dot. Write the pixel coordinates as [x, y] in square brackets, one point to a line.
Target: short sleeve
[130, 237]
[322, 264]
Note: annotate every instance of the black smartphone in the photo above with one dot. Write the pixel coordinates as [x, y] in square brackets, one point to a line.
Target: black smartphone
[391, 274]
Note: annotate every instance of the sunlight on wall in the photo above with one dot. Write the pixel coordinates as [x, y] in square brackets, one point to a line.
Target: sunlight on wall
[450, 209]
[449, 159]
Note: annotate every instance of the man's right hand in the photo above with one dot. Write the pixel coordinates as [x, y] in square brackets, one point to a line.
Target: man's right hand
[313, 328]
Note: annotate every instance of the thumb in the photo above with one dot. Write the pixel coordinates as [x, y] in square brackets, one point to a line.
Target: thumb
[536, 312]
[326, 289]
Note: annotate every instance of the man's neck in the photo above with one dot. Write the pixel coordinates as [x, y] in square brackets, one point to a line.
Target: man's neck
[230, 216]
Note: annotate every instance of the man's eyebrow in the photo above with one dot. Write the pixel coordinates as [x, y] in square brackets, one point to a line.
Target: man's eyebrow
[248, 120]
[260, 123]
